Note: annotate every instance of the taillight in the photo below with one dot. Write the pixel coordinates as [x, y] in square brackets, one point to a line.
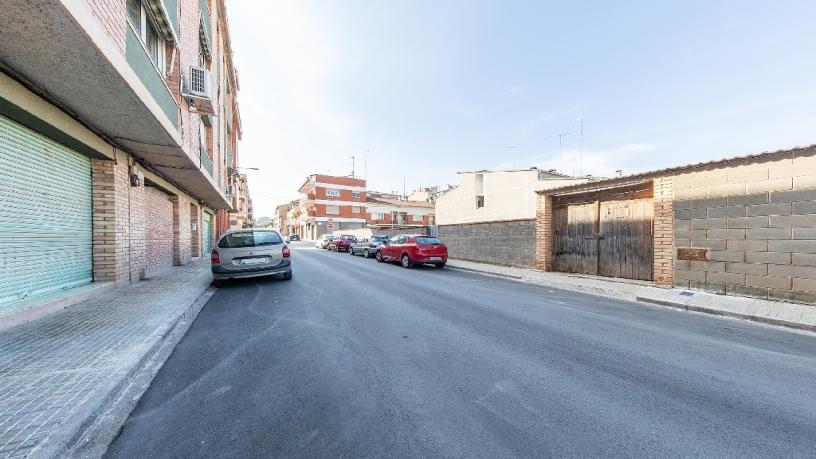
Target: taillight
[286, 252]
[214, 258]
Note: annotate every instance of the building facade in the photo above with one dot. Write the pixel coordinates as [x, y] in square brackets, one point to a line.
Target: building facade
[490, 216]
[241, 214]
[385, 212]
[329, 204]
[738, 226]
[118, 128]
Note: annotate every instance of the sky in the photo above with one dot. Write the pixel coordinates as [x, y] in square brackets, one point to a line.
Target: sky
[419, 90]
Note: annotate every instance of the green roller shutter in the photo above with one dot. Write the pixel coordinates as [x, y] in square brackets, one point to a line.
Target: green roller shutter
[45, 216]
[207, 234]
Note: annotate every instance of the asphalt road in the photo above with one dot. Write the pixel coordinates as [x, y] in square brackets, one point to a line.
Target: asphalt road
[360, 359]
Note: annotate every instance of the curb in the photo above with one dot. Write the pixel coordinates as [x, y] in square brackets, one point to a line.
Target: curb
[79, 434]
[611, 293]
[735, 315]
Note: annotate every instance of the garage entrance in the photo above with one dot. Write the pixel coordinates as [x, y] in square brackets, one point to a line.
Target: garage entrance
[158, 229]
[607, 232]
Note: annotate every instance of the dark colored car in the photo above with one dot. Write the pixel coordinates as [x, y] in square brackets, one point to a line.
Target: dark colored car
[367, 247]
[294, 237]
[411, 249]
[341, 243]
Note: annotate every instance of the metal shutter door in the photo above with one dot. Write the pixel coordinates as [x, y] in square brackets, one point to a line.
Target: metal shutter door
[45, 216]
[207, 234]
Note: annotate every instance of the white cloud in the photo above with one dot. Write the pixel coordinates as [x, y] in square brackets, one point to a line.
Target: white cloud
[598, 162]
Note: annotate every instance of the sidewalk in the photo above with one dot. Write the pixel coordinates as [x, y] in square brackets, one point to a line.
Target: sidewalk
[799, 316]
[58, 372]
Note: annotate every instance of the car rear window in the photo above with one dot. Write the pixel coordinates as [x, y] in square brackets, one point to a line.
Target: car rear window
[249, 239]
[379, 238]
[428, 241]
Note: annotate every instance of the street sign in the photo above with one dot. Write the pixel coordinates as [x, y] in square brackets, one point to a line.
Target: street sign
[330, 223]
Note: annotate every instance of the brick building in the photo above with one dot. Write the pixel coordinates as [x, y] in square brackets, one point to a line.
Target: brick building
[325, 198]
[119, 128]
[741, 226]
[384, 212]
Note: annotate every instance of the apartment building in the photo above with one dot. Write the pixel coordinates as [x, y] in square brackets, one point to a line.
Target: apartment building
[329, 204]
[241, 213]
[385, 212]
[119, 128]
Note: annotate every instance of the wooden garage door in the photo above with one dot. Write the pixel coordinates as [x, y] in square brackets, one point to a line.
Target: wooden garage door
[606, 233]
[626, 245]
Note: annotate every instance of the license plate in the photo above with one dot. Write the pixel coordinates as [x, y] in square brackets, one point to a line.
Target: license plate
[436, 258]
[253, 261]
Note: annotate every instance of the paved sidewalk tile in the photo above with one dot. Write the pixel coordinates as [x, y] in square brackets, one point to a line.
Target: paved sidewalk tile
[773, 312]
[51, 365]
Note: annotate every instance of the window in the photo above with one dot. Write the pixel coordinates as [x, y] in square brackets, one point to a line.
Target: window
[249, 239]
[332, 194]
[479, 202]
[421, 240]
[355, 194]
[332, 210]
[355, 210]
[148, 33]
[378, 216]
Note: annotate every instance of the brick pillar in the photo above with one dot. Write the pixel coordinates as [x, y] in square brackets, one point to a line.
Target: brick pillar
[544, 236]
[118, 224]
[104, 220]
[663, 230]
[181, 230]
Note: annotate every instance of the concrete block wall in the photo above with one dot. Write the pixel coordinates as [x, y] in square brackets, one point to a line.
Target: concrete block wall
[757, 222]
[510, 243]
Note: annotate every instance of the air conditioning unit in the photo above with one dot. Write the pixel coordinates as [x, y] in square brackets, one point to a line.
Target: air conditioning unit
[198, 90]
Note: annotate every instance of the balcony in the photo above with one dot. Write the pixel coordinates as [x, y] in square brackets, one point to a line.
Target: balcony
[111, 87]
[206, 162]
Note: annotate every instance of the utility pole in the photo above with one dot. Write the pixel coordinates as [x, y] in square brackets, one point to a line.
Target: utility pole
[404, 194]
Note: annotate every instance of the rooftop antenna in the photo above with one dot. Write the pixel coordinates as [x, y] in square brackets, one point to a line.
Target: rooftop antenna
[352, 166]
[580, 144]
[561, 148]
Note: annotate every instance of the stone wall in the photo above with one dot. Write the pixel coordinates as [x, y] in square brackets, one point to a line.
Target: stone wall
[510, 243]
[756, 221]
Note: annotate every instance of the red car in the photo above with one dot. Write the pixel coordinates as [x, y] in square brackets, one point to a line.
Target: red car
[411, 249]
[341, 243]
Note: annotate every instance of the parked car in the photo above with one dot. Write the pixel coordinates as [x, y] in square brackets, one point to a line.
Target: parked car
[411, 249]
[341, 243]
[323, 241]
[367, 247]
[294, 237]
[251, 253]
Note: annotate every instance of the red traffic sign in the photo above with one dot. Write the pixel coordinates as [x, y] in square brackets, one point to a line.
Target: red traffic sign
[330, 223]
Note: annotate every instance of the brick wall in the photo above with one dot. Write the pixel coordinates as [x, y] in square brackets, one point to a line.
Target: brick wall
[159, 235]
[181, 230]
[195, 231]
[756, 221]
[112, 14]
[511, 243]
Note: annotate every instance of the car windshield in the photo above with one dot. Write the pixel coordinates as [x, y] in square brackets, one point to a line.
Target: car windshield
[421, 240]
[249, 239]
[349, 238]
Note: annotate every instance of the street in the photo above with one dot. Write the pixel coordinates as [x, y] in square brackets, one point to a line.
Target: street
[360, 359]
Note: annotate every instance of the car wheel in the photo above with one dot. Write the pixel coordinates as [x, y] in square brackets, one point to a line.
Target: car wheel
[379, 257]
[218, 284]
[406, 262]
[366, 254]
[351, 251]
[287, 276]
[440, 265]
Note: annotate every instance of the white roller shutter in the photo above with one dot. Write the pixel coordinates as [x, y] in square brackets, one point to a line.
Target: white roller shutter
[45, 216]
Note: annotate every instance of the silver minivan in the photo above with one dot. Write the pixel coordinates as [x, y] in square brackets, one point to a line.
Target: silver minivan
[251, 253]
